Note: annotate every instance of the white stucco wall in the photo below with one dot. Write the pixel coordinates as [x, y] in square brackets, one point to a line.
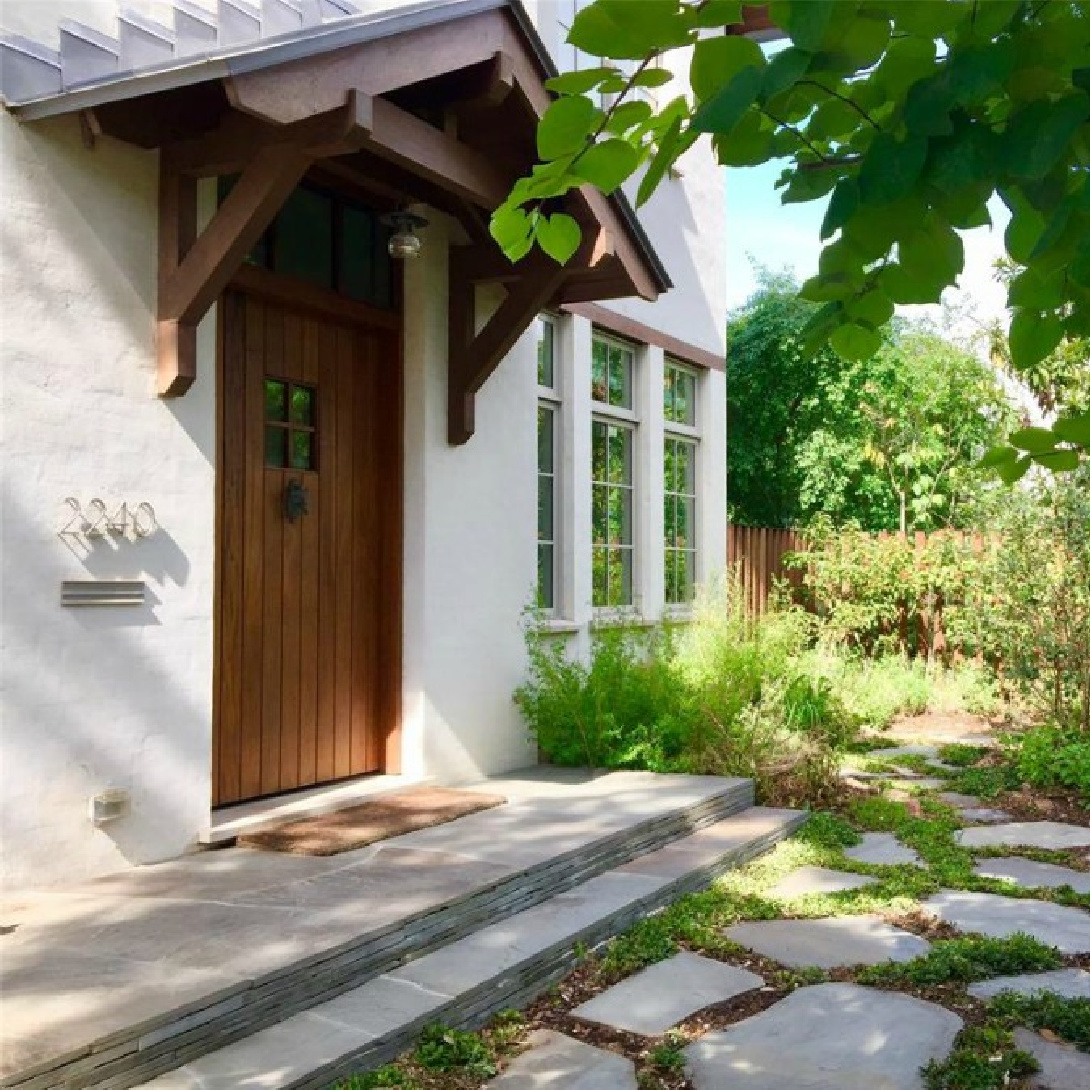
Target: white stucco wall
[96, 697]
[470, 545]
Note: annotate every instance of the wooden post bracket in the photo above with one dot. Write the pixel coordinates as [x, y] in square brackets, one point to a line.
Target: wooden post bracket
[194, 269]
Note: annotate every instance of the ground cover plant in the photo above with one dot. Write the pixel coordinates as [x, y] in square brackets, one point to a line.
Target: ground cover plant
[984, 1056]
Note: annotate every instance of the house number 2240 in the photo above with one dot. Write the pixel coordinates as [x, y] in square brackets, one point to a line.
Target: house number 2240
[95, 520]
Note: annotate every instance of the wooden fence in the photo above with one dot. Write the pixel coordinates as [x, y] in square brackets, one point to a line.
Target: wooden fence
[758, 554]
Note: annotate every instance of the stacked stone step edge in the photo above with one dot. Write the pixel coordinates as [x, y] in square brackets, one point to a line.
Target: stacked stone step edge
[30, 70]
[149, 1048]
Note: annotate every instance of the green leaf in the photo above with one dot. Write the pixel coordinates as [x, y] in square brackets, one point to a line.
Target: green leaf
[862, 41]
[929, 19]
[1026, 226]
[559, 236]
[1010, 472]
[1033, 440]
[715, 13]
[628, 115]
[1074, 428]
[842, 204]
[566, 126]
[833, 120]
[578, 83]
[1032, 337]
[855, 342]
[1079, 268]
[668, 150]
[785, 69]
[933, 253]
[928, 105]
[1039, 135]
[998, 456]
[806, 23]
[875, 308]
[748, 143]
[1059, 461]
[611, 28]
[906, 61]
[509, 226]
[725, 109]
[716, 61]
[652, 77]
[891, 168]
[607, 164]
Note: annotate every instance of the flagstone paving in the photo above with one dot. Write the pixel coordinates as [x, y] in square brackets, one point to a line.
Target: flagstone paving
[983, 815]
[826, 1037]
[1069, 983]
[829, 943]
[919, 783]
[1068, 929]
[1033, 875]
[1062, 1066]
[810, 880]
[915, 750]
[666, 993]
[1055, 835]
[882, 848]
[557, 1062]
[956, 798]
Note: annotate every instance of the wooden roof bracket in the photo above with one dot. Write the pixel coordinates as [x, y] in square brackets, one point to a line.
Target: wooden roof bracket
[194, 269]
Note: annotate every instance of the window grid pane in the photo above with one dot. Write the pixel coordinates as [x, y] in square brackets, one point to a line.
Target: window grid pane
[546, 507]
[612, 367]
[679, 519]
[611, 514]
[546, 375]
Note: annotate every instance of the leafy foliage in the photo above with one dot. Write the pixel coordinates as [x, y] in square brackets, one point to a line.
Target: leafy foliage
[1049, 756]
[907, 116]
[444, 1049]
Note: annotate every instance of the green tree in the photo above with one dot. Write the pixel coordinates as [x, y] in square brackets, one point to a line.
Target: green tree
[905, 115]
[887, 442]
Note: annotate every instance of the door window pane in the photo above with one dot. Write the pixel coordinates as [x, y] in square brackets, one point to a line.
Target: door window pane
[302, 450]
[291, 438]
[276, 446]
[302, 405]
[276, 399]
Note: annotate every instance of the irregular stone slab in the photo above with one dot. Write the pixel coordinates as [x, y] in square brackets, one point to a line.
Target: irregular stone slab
[554, 1060]
[809, 880]
[1033, 875]
[917, 750]
[1068, 983]
[1068, 929]
[956, 798]
[882, 848]
[1054, 835]
[920, 783]
[827, 1037]
[667, 993]
[829, 943]
[1063, 1067]
[983, 815]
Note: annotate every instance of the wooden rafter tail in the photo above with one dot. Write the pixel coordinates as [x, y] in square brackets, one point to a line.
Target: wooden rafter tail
[471, 360]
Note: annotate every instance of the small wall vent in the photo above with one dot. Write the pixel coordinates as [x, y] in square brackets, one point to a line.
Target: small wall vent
[102, 592]
[109, 805]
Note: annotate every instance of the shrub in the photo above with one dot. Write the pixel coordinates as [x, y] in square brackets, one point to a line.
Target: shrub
[1050, 756]
[444, 1049]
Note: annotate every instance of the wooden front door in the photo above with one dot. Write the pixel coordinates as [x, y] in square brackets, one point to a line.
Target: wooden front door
[309, 567]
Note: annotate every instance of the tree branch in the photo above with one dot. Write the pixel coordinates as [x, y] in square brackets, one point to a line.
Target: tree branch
[843, 98]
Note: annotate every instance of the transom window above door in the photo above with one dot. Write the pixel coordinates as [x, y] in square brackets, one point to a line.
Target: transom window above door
[291, 425]
[328, 240]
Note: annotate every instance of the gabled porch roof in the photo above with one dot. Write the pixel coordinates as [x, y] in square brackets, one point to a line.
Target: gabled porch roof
[435, 102]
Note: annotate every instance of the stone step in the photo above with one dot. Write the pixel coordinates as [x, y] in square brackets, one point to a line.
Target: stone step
[502, 965]
[569, 852]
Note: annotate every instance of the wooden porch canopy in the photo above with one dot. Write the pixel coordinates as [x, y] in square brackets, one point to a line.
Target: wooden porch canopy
[440, 110]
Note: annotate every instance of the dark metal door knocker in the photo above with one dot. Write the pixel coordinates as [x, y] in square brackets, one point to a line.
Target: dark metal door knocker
[295, 500]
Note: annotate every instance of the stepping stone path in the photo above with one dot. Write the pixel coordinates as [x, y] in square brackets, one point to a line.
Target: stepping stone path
[1063, 1067]
[826, 1037]
[1068, 929]
[557, 1062]
[882, 848]
[920, 783]
[667, 993]
[1033, 875]
[983, 815]
[1069, 983]
[1055, 835]
[810, 880]
[956, 798]
[919, 750]
[829, 943]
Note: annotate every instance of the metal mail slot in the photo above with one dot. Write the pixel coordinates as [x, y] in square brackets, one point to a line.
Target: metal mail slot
[102, 592]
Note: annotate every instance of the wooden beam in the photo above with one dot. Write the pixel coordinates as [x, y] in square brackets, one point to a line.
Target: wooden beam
[176, 345]
[194, 270]
[470, 361]
[230, 147]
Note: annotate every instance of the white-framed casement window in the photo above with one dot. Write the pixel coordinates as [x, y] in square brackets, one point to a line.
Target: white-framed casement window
[613, 430]
[680, 448]
[548, 420]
